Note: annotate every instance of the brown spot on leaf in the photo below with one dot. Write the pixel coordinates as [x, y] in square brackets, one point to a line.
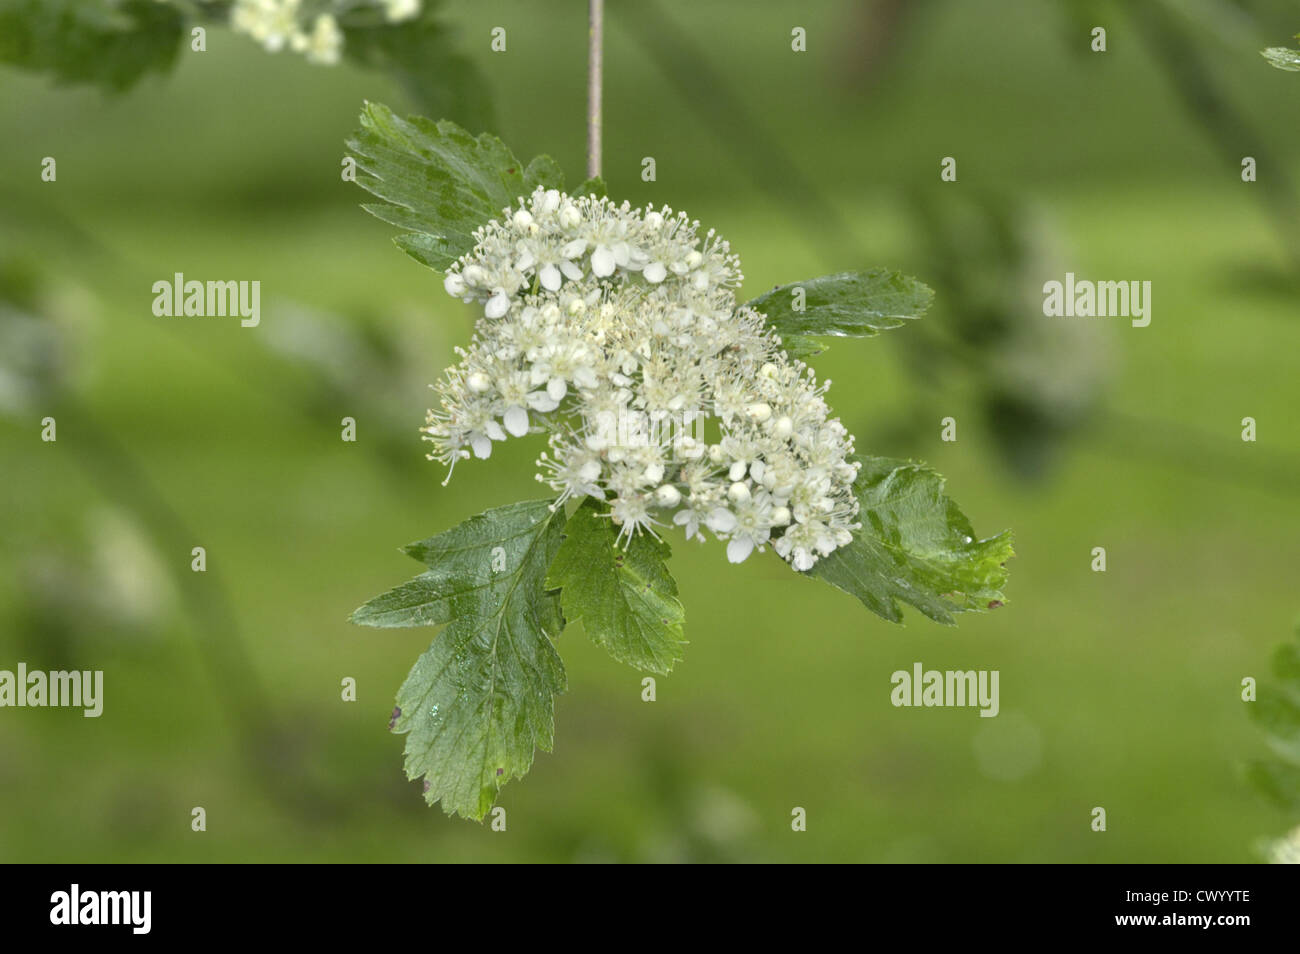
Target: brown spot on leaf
[397, 712]
[994, 604]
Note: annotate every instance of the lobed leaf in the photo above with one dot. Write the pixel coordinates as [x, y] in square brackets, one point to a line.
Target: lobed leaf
[626, 598]
[851, 304]
[437, 182]
[915, 546]
[481, 699]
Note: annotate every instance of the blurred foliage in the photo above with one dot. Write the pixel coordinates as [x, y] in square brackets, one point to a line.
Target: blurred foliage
[113, 43]
[1277, 713]
[1035, 382]
[783, 700]
[116, 43]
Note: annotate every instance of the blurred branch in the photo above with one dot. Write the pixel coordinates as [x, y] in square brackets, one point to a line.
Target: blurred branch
[595, 78]
[1208, 103]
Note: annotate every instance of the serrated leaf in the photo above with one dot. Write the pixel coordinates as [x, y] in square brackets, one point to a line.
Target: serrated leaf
[481, 699]
[851, 304]
[1282, 57]
[438, 183]
[916, 547]
[112, 43]
[593, 186]
[626, 598]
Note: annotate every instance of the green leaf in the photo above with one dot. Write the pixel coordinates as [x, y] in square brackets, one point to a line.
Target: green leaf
[111, 44]
[438, 183]
[1278, 781]
[850, 304]
[421, 55]
[593, 186]
[1277, 712]
[625, 597]
[481, 699]
[1282, 57]
[916, 547]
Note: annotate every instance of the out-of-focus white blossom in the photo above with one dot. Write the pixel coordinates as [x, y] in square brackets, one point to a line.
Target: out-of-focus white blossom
[310, 28]
[615, 331]
[1285, 850]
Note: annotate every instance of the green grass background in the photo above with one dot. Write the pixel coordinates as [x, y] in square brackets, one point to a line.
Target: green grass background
[1118, 690]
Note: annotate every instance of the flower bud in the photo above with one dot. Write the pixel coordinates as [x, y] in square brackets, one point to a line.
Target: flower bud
[668, 496]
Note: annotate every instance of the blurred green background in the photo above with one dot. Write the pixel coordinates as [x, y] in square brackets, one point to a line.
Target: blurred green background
[1118, 689]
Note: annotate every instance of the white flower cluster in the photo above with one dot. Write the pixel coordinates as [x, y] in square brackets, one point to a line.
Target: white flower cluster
[616, 331]
[1284, 850]
[315, 33]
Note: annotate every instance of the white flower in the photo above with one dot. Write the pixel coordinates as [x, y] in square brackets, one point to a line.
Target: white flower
[325, 44]
[516, 421]
[623, 376]
[276, 24]
[395, 10]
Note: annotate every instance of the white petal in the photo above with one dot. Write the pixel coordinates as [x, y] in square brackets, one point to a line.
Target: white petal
[602, 262]
[516, 421]
[721, 520]
[454, 284]
[571, 271]
[655, 272]
[668, 496]
[493, 430]
[739, 548]
[481, 446]
[541, 401]
[574, 248]
[497, 305]
[550, 277]
[557, 388]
